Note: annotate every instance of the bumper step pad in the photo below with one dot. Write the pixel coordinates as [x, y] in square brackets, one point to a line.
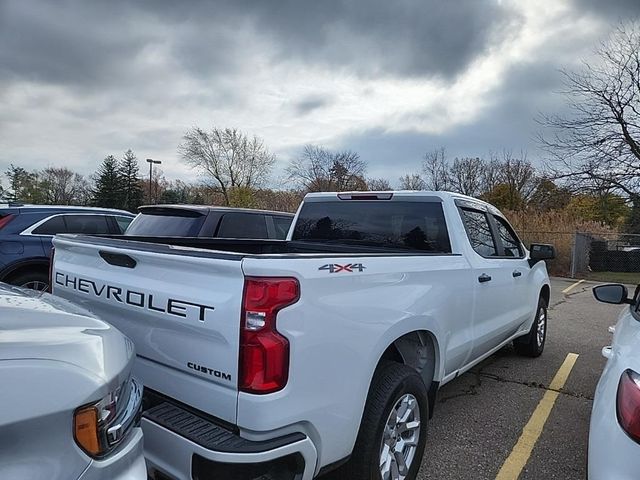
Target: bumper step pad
[210, 435]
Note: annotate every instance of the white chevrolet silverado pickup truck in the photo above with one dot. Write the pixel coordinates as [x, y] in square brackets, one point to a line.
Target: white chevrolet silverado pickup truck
[289, 358]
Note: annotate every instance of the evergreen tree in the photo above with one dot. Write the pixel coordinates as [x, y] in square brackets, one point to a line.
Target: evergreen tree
[132, 193]
[24, 186]
[108, 191]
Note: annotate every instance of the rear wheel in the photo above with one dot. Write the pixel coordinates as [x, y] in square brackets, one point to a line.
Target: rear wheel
[34, 280]
[392, 434]
[532, 344]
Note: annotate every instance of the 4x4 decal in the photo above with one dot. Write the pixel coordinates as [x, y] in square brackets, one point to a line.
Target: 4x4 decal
[347, 268]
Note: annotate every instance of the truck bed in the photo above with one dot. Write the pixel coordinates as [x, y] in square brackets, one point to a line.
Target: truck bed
[244, 247]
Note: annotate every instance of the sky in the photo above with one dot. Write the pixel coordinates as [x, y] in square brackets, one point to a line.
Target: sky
[80, 80]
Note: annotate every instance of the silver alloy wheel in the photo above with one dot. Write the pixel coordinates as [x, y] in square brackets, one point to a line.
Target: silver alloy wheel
[400, 438]
[542, 326]
[36, 285]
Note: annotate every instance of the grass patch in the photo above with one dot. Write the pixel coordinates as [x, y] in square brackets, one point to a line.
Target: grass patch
[628, 278]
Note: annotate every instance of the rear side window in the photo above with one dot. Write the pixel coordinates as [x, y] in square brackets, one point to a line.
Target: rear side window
[87, 224]
[242, 225]
[123, 223]
[509, 239]
[166, 223]
[282, 225]
[51, 227]
[479, 232]
[391, 224]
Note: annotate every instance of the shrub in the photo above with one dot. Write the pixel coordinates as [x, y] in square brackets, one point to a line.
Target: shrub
[557, 227]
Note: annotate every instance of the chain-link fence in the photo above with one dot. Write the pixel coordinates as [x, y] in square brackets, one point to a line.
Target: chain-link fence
[599, 256]
[606, 256]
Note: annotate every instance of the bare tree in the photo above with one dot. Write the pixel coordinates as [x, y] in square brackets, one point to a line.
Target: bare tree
[491, 173]
[518, 174]
[412, 181]
[465, 176]
[61, 186]
[227, 157]
[319, 169]
[436, 170]
[597, 145]
[514, 180]
[378, 184]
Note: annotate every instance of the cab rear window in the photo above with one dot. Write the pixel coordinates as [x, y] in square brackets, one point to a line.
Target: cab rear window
[391, 224]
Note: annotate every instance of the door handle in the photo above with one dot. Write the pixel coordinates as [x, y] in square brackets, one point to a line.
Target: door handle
[516, 273]
[118, 259]
[484, 278]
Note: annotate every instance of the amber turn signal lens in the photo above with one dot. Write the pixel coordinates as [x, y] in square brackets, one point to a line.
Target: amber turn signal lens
[85, 427]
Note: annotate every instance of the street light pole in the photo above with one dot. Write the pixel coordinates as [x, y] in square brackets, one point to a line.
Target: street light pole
[151, 162]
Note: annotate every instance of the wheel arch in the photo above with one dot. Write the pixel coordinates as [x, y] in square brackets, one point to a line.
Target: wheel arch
[545, 293]
[418, 349]
[19, 268]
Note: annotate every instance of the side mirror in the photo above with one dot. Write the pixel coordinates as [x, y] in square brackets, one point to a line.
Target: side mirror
[541, 251]
[613, 293]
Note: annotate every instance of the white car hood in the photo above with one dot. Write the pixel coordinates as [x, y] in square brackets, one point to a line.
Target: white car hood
[44, 327]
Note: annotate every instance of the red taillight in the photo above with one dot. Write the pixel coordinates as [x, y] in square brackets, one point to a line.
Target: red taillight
[4, 220]
[629, 404]
[264, 352]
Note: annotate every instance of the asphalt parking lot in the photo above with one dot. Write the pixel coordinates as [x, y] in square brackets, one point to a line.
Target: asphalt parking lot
[479, 417]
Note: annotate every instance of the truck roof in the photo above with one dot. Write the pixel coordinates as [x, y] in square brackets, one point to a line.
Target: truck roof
[388, 194]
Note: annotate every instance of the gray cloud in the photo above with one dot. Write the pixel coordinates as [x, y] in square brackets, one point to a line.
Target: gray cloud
[509, 124]
[311, 103]
[75, 42]
[64, 43]
[382, 37]
[615, 10]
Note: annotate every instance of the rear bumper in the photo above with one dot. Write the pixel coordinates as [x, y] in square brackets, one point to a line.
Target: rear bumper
[184, 446]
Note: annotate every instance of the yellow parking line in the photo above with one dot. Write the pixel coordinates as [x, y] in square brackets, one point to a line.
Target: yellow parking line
[572, 286]
[521, 452]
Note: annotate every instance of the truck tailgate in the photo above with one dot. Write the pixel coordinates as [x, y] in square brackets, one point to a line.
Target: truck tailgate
[182, 312]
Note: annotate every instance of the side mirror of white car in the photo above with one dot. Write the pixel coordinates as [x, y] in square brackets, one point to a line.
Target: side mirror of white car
[615, 293]
[541, 251]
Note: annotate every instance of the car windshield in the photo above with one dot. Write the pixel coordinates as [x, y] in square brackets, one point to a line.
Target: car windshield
[166, 224]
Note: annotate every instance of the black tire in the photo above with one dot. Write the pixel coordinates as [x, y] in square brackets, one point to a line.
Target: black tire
[391, 382]
[531, 345]
[33, 280]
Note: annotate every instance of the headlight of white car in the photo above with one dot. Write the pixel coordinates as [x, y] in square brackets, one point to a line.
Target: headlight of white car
[99, 427]
[628, 404]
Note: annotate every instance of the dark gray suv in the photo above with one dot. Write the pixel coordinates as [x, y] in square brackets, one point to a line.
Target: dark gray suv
[26, 232]
[209, 222]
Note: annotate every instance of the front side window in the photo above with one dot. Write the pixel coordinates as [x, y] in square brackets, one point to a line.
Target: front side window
[479, 232]
[509, 239]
